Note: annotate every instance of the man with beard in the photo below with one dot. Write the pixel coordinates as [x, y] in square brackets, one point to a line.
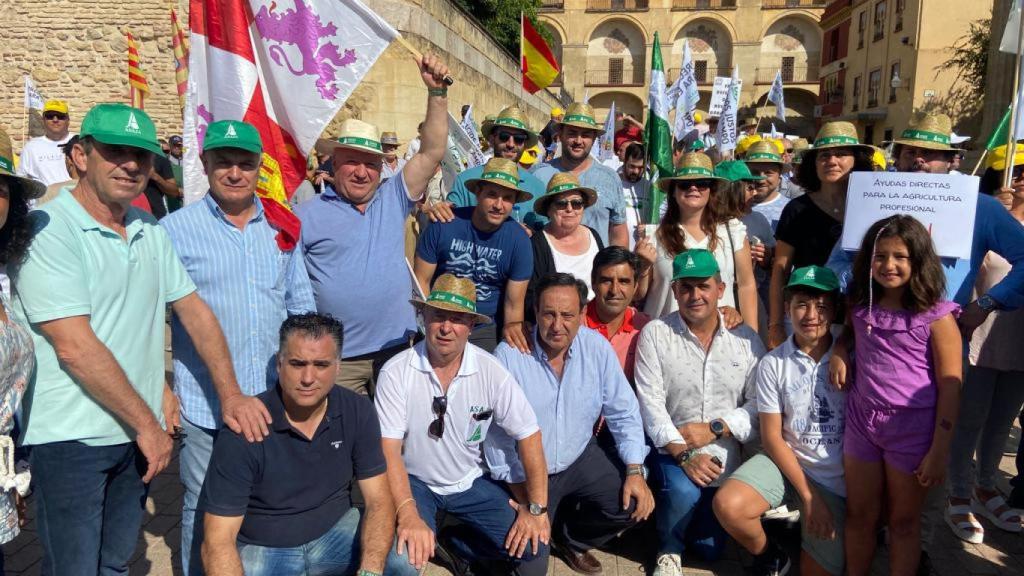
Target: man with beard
[508, 135]
[578, 132]
[636, 188]
[482, 244]
[924, 147]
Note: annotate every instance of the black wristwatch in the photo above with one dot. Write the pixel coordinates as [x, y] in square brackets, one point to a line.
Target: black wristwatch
[685, 456]
[717, 428]
[987, 303]
[537, 510]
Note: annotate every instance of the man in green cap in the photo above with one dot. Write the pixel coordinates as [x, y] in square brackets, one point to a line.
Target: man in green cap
[699, 415]
[94, 289]
[229, 250]
[802, 419]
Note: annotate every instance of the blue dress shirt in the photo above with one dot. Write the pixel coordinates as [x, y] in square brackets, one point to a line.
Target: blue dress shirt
[592, 385]
[251, 286]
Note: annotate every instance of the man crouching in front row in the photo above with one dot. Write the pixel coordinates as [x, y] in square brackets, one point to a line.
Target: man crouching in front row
[282, 506]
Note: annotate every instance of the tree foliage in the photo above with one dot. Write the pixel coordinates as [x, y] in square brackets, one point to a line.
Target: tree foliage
[970, 58]
[501, 18]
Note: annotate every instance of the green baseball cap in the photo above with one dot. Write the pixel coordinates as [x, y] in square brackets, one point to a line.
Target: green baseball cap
[735, 171]
[121, 125]
[816, 277]
[696, 263]
[233, 134]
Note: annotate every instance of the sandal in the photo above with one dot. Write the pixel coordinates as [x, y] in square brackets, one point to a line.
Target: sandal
[1009, 520]
[969, 530]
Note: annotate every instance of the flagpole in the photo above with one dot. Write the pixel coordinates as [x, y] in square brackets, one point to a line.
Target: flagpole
[980, 162]
[448, 80]
[1011, 137]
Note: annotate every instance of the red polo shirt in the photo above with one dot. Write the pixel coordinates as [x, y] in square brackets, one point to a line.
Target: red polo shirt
[623, 341]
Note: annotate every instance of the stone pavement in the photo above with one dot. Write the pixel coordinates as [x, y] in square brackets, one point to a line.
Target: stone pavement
[157, 551]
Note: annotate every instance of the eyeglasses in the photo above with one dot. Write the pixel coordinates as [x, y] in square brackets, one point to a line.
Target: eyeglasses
[55, 116]
[686, 184]
[440, 407]
[788, 150]
[576, 204]
[1018, 172]
[517, 137]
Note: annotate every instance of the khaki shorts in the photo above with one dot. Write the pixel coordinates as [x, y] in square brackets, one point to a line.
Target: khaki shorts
[761, 474]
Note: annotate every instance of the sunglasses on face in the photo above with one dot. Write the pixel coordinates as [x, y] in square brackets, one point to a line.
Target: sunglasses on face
[517, 137]
[440, 407]
[695, 183]
[788, 150]
[576, 203]
[1018, 172]
[55, 116]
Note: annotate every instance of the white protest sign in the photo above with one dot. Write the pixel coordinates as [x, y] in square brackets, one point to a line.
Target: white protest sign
[944, 203]
[718, 93]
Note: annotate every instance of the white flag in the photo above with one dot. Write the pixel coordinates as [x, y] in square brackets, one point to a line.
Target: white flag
[727, 135]
[608, 138]
[774, 134]
[686, 97]
[1012, 30]
[775, 96]
[33, 99]
[460, 147]
[476, 156]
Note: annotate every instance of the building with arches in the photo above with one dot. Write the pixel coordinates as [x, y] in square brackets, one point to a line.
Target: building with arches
[605, 46]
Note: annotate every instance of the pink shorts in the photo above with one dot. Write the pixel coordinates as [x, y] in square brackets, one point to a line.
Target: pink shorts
[900, 436]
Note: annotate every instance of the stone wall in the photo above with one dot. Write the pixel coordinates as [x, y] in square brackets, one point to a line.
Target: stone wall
[75, 50]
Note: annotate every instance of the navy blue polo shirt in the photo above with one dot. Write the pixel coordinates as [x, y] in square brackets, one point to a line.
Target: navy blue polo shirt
[291, 489]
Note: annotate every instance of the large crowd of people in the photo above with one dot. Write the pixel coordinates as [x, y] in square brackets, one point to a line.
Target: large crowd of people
[555, 362]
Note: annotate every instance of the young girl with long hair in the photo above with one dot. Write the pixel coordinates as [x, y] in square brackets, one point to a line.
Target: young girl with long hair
[905, 390]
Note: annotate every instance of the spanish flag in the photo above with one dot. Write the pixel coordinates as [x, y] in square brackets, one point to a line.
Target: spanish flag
[179, 45]
[539, 65]
[138, 86]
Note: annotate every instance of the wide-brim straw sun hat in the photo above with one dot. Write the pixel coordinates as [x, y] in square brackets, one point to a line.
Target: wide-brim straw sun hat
[763, 152]
[358, 135]
[453, 294]
[564, 183]
[837, 134]
[695, 166]
[390, 138]
[929, 131]
[511, 117]
[31, 189]
[800, 145]
[500, 172]
[582, 116]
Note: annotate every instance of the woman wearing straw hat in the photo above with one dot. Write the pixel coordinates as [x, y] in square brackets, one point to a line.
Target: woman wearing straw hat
[17, 358]
[811, 224]
[692, 221]
[993, 393]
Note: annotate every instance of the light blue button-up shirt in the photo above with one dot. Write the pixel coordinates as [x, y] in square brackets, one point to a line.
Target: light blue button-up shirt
[592, 385]
[251, 286]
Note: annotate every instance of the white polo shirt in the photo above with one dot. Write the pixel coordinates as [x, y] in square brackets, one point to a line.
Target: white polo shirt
[406, 388]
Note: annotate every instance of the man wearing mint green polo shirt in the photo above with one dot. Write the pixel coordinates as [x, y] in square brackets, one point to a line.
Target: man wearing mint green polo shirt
[93, 291]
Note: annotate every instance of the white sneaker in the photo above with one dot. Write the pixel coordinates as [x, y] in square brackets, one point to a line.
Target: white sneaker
[669, 565]
[782, 513]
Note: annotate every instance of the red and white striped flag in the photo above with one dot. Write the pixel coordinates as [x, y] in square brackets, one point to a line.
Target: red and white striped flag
[285, 66]
[138, 87]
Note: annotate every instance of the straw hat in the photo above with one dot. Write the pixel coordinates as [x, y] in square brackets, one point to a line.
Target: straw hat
[358, 135]
[800, 145]
[695, 166]
[581, 116]
[563, 183]
[749, 121]
[838, 134]
[745, 142]
[30, 188]
[511, 117]
[763, 152]
[453, 294]
[931, 131]
[500, 172]
[389, 138]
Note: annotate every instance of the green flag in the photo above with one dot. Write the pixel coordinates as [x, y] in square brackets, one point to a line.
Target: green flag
[1001, 133]
[658, 132]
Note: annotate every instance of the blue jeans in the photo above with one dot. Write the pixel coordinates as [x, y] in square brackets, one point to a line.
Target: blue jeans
[89, 506]
[484, 508]
[193, 460]
[337, 552]
[684, 516]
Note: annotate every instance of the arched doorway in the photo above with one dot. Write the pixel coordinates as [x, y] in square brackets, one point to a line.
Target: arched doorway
[616, 54]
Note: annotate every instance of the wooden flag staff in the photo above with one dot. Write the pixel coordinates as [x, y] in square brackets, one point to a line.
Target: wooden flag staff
[448, 80]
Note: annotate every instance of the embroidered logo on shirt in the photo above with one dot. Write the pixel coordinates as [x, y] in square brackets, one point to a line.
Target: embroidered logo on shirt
[337, 444]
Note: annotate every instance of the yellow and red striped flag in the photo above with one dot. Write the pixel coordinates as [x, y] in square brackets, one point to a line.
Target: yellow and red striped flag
[138, 86]
[539, 65]
[179, 45]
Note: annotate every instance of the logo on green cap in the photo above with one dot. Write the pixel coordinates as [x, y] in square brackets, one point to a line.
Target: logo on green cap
[132, 125]
[230, 132]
